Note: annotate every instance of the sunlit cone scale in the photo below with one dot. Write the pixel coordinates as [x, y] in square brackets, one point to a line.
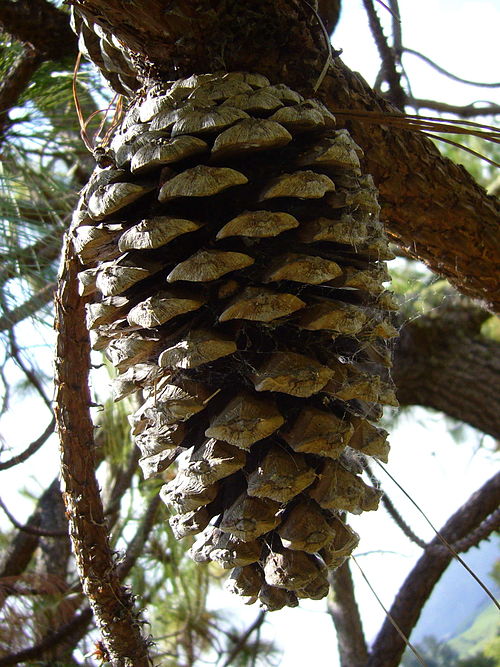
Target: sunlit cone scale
[235, 260]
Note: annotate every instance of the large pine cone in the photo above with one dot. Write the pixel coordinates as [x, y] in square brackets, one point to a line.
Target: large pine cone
[234, 253]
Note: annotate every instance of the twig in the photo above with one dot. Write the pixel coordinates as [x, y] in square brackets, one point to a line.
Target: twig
[136, 545]
[111, 603]
[396, 95]
[30, 529]
[122, 482]
[415, 591]
[30, 449]
[446, 73]
[398, 519]
[397, 31]
[345, 615]
[444, 541]
[32, 377]
[28, 308]
[244, 638]
[467, 111]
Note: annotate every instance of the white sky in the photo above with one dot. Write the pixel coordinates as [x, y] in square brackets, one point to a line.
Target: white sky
[461, 36]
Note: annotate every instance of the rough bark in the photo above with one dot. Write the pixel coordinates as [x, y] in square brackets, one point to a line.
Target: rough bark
[442, 361]
[345, 615]
[111, 603]
[388, 646]
[433, 208]
[41, 24]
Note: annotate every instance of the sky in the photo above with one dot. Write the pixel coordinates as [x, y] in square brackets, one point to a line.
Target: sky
[439, 473]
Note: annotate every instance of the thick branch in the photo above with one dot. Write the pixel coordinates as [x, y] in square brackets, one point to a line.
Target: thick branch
[441, 361]
[417, 588]
[345, 614]
[41, 24]
[432, 207]
[13, 85]
[111, 603]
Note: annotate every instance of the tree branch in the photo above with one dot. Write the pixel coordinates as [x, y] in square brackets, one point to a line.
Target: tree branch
[41, 24]
[136, 545]
[30, 449]
[482, 532]
[30, 529]
[467, 111]
[77, 623]
[14, 84]
[441, 70]
[432, 207]
[416, 590]
[442, 361]
[28, 308]
[244, 638]
[390, 74]
[111, 603]
[393, 513]
[76, 627]
[345, 615]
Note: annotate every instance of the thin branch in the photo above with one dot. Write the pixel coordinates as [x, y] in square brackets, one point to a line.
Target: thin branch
[30, 449]
[415, 591]
[32, 377]
[345, 615]
[446, 73]
[122, 481]
[54, 639]
[391, 75]
[112, 604]
[398, 519]
[244, 638]
[16, 81]
[482, 532]
[136, 545]
[28, 308]
[397, 30]
[30, 529]
[467, 111]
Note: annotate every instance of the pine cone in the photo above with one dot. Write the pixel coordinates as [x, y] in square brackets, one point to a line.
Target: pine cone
[235, 258]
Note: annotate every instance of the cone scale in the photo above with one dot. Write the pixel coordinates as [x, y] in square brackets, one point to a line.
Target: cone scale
[235, 261]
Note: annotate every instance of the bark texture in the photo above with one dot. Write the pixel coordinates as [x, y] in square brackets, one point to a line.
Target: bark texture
[41, 24]
[345, 615]
[111, 603]
[442, 361]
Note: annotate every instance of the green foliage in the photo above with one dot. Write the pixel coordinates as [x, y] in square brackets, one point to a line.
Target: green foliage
[476, 639]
